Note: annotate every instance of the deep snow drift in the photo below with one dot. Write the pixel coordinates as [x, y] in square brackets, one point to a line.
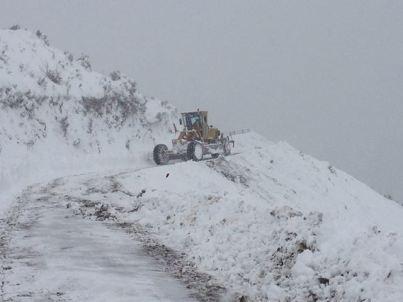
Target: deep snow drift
[57, 116]
[270, 222]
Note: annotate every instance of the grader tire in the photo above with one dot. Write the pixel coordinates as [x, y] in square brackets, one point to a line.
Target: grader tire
[160, 154]
[227, 148]
[194, 151]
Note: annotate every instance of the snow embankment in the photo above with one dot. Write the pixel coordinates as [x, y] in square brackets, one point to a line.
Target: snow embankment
[57, 116]
[269, 222]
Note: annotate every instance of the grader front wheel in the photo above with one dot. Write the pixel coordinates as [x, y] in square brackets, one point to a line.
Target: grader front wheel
[227, 147]
[195, 151]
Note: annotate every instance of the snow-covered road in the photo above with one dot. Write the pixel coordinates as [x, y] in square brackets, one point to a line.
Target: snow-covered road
[50, 254]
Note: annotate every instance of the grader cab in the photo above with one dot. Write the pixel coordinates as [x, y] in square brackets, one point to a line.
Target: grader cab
[196, 140]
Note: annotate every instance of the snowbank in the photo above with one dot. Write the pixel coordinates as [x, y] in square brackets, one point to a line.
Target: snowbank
[269, 222]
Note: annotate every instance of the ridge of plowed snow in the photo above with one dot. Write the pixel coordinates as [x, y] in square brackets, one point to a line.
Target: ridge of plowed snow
[269, 222]
[57, 116]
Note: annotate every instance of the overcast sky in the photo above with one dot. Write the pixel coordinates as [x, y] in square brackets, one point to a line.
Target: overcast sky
[326, 76]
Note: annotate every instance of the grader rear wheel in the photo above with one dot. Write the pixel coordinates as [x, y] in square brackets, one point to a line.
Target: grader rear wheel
[160, 154]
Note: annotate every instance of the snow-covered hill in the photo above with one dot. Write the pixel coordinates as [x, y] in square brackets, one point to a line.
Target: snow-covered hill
[57, 116]
[269, 222]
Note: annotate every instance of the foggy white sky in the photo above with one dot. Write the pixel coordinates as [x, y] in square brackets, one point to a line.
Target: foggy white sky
[325, 76]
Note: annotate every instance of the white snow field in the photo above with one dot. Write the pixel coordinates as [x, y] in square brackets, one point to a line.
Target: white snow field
[268, 222]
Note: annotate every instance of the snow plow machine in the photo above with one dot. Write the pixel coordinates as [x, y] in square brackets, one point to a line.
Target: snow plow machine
[196, 140]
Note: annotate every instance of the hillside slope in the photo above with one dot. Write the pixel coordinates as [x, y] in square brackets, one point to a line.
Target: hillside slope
[57, 116]
[270, 222]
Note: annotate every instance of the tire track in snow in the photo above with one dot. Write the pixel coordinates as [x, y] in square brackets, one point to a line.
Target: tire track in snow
[50, 254]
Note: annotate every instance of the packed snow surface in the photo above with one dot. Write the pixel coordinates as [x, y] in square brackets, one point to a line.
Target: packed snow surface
[51, 254]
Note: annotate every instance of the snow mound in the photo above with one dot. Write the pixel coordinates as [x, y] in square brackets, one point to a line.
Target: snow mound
[270, 222]
[57, 116]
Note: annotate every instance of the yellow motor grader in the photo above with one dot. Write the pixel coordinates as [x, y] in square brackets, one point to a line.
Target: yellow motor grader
[196, 140]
